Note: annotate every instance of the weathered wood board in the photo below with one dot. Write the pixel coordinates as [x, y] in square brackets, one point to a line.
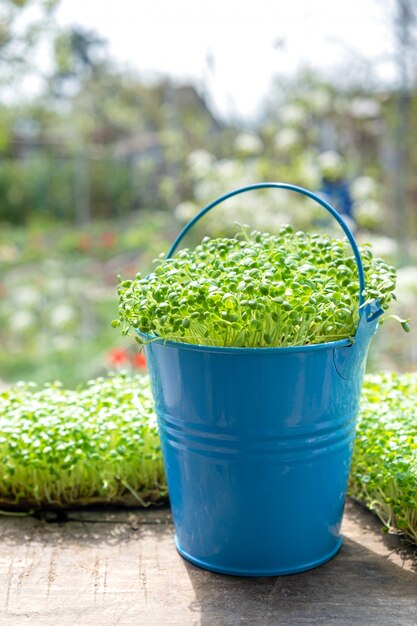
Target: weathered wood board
[111, 567]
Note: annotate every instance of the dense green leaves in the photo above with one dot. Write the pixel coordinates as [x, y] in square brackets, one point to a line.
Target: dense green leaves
[98, 444]
[255, 290]
[384, 467]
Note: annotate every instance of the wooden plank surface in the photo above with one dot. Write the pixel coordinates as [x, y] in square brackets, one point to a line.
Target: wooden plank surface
[118, 567]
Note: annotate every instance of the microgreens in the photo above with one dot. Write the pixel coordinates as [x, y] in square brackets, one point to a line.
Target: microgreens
[384, 466]
[255, 290]
[61, 448]
[98, 444]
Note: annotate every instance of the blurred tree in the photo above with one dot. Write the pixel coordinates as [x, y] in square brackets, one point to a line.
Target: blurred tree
[77, 55]
[150, 128]
[404, 27]
[22, 24]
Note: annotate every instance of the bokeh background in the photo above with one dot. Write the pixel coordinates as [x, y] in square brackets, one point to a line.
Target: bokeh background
[118, 121]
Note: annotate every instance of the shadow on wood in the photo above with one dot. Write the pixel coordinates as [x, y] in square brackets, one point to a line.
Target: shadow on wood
[108, 567]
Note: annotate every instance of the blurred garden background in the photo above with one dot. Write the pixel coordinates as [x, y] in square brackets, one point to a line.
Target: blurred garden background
[102, 162]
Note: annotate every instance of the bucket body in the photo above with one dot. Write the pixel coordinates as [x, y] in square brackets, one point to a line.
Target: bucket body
[257, 445]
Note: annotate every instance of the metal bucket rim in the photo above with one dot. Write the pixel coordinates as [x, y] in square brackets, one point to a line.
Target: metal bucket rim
[329, 345]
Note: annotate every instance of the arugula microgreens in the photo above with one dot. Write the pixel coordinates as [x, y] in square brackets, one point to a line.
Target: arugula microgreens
[60, 447]
[384, 465]
[255, 290]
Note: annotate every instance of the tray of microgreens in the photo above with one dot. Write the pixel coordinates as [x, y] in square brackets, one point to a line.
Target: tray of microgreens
[255, 290]
[384, 465]
[95, 445]
[99, 444]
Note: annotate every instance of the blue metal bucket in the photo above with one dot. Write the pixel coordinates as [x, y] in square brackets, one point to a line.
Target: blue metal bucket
[257, 442]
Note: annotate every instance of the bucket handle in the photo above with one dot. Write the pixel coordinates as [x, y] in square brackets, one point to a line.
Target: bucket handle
[297, 189]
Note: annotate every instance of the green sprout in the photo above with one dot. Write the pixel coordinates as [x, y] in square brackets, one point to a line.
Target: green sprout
[384, 466]
[61, 448]
[255, 290]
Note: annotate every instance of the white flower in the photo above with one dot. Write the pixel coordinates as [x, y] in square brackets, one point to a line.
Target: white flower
[293, 114]
[369, 213]
[206, 190]
[371, 207]
[200, 162]
[61, 316]
[310, 174]
[286, 139]
[248, 144]
[22, 321]
[26, 296]
[319, 102]
[228, 169]
[363, 188]
[364, 108]
[331, 164]
[185, 211]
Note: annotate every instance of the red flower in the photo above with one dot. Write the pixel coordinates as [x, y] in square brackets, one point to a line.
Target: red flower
[139, 361]
[117, 357]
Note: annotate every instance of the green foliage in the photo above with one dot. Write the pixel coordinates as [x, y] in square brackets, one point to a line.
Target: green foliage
[384, 466]
[24, 23]
[37, 186]
[63, 448]
[256, 290]
[99, 444]
[57, 289]
[70, 188]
